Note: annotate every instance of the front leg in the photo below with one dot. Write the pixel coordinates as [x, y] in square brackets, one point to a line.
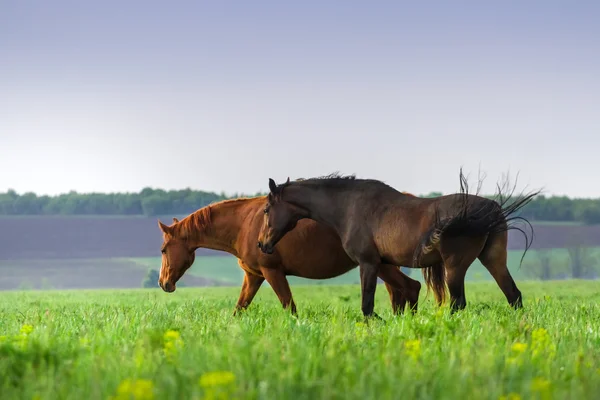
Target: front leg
[281, 287]
[368, 285]
[250, 286]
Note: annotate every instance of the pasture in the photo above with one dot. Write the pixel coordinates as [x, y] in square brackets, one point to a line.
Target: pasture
[100, 344]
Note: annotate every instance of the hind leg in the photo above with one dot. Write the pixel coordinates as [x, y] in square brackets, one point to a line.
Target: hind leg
[493, 257]
[401, 288]
[455, 279]
[458, 255]
[396, 298]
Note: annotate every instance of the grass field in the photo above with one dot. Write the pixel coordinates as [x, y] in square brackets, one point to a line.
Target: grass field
[187, 345]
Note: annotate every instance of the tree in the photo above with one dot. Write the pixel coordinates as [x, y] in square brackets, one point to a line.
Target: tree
[542, 267]
[591, 214]
[151, 279]
[583, 262]
[154, 202]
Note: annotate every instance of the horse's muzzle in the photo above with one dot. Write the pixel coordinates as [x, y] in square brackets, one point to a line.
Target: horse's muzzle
[167, 286]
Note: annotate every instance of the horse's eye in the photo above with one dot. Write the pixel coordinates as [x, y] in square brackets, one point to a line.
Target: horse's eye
[266, 210]
[163, 250]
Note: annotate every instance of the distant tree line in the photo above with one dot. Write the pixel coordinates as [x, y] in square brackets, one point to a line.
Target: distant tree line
[577, 262]
[154, 202]
[149, 202]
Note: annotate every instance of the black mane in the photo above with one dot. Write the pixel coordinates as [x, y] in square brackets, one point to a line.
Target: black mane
[332, 180]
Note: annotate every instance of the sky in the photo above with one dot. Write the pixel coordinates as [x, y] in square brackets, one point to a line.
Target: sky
[115, 96]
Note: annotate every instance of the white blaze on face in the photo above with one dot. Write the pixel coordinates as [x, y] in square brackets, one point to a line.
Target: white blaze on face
[162, 265]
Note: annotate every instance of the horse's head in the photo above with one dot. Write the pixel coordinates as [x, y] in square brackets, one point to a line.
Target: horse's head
[280, 217]
[177, 256]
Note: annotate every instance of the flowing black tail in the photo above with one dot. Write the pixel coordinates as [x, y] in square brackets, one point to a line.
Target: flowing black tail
[471, 216]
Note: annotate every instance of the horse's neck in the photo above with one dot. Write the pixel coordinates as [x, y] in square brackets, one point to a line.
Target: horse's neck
[320, 205]
[222, 230]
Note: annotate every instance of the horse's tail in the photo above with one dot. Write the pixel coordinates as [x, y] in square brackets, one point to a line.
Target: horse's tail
[435, 279]
[484, 217]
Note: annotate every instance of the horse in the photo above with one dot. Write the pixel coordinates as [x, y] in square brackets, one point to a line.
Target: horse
[378, 225]
[312, 251]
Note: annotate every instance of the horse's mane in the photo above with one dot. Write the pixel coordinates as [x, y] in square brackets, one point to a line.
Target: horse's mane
[332, 180]
[201, 219]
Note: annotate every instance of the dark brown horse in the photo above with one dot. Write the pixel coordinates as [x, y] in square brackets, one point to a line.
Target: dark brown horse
[380, 225]
[312, 251]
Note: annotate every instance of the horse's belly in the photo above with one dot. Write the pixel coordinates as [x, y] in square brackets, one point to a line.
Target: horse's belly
[397, 252]
[317, 271]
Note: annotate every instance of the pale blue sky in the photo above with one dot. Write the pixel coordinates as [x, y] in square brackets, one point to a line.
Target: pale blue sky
[221, 95]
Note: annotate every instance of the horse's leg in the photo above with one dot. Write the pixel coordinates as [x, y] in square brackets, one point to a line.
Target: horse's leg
[250, 286]
[455, 279]
[281, 287]
[401, 288]
[396, 298]
[458, 255]
[368, 285]
[493, 257]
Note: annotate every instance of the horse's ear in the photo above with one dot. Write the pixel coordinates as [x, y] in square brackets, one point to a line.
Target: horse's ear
[272, 186]
[288, 180]
[175, 220]
[164, 228]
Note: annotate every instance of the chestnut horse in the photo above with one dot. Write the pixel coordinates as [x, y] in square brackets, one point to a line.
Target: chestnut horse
[379, 225]
[312, 251]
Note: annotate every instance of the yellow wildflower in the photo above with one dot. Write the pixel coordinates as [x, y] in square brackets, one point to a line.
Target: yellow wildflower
[26, 329]
[519, 347]
[172, 343]
[517, 350]
[139, 389]
[539, 384]
[542, 386]
[541, 344]
[171, 335]
[510, 396]
[413, 348]
[216, 378]
[217, 385]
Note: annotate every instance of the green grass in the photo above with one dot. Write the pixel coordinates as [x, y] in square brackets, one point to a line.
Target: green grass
[84, 344]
